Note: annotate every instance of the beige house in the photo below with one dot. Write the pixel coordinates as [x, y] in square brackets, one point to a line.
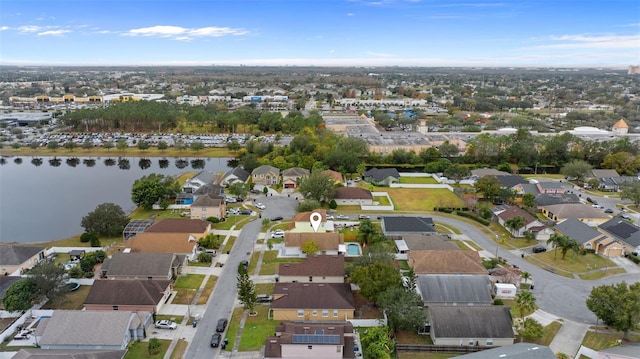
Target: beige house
[208, 206]
[300, 222]
[329, 243]
[266, 176]
[316, 269]
[582, 212]
[589, 238]
[312, 301]
[132, 295]
[353, 196]
[446, 262]
[185, 244]
[291, 177]
[311, 340]
[15, 258]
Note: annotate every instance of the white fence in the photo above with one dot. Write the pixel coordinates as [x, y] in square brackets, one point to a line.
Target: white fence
[33, 314]
[368, 322]
[379, 208]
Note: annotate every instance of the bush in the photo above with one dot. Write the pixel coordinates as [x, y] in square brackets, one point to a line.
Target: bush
[474, 217]
[88, 274]
[308, 205]
[95, 242]
[213, 220]
[154, 346]
[333, 204]
[205, 258]
[87, 237]
[635, 259]
[75, 272]
[498, 301]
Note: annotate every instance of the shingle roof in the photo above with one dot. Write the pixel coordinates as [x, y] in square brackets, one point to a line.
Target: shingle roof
[450, 288]
[514, 351]
[11, 254]
[429, 241]
[337, 176]
[577, 230]
[548, 199]
[264, 169]
[326, 241]
[623, 230]
[352, 193]
[510, 181]
[203, 176]
[179, 225]
[447, 262]
[600, 173]
[313, 296]
[621, 124]
[575, 210]
[127, 292]
[471, 322]
[34, 353]
[239, 172]
[89, 327]
[140, 264]
[295, 172]
[481, 172]
[515, 211]
[209, 189]
[286, 330]
[407, 224]
[182, 243]
[317, 266]
[381, 174]
[208, 201]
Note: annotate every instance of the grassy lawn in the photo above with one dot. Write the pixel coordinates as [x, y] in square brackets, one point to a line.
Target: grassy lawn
[270, 262]
[404, 265]
[603, 340]
[411, 337]
[265, 288]
[177, 319]
[414, 355]
[575, 263]
[382, 200]
[198, 264]
[75, 242]
[520, 242]
[349, 209]
[189, 281]
[446, 229]
[179, 350]
[230, 242]
[418, 180]
[515, 313]
[208, 288]
[141, 213]
[548, 333]
[419, 199]
[602, 273]
[256, 329]
[234, 325]
[71, 301]
[473, 245]
[229, 222]
[139, 350]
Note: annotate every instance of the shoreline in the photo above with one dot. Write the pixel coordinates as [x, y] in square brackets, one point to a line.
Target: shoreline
[218, 152]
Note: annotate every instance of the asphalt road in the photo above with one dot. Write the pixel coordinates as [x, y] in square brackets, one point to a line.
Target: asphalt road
[222, 300]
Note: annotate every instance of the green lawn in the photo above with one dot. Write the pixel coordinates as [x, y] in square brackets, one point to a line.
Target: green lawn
[230, 242]
[602, 340]
[256, 329]
[548, 333]
[574, 263]
[206, 291]
[446, 229]
[602, 273]
[140, 213]
[139, 350]
[179, 350]
[189, 281]
[422, 199]
[515, 313]
[232, 220]
[265, 288]
[418, 180]
[382, 200]
[70, 301]
[234, 325]
[270, 262]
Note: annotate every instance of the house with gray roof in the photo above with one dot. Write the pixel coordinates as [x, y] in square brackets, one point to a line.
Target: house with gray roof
[548, 199]
[311, 339]
[155, 266]
[615, 184]
[398, 226]
[265, 175]
[84, 329]
[291, 177]
[589, 238]
[425, 242]
[625, 351]
[482, 326]
[482, 172]
[16, 258]
[237, 174]
[514, 351]
[197, 181]
[36, 353]
[454, 290]
[381, 176]
[624, 232]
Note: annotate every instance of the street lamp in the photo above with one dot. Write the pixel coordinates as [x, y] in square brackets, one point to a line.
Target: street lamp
[497, 246]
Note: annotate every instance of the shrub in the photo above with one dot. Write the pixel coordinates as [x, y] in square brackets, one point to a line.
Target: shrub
[205, 257]
[75, 272]
[498, 301]
[154, 346]
[87, 237]
[213, 220]
[635, 259]
[474, 217]
[333, 204]
[88, 274]
[95, 242]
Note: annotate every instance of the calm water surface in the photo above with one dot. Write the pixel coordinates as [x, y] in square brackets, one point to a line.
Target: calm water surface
[47, 202]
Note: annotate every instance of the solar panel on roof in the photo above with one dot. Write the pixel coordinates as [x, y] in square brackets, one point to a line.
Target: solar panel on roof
[315, 339]
[623, 230]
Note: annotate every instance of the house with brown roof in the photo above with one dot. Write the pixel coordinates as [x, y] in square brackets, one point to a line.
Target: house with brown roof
[208, 206]
[316, 269]
[133, 295]
[480, 326]
[353, 196]
[620, 127]
[291, 177]
[337, 176]
[180, 225]
[425, 242]
[312, 301]
[145, 266]
[185, 244]
[311, 340]
[300, 222]
[582, 212]
[531, 224]
[446, 262]
[329, 243]
[16, 258]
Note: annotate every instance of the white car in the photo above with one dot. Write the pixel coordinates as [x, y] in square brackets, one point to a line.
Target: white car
[342, 216]
[166, 324]
[330, 218]
[277, 234]
[260, 205]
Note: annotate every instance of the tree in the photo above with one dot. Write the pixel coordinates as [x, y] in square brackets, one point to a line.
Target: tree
[107, 144]
[318, 186]
[347, 153]
[143, 145]
[488, 186]
[530, 329]
[376, 278]
[70, 145]
[526, 276]
[53, 145]
[210, 241]
[87, 237]
[246, 289]
[197, 146]
[308, 205]
[529, 200]
[162, 145]
[310, 247]
[234, 146]
[150, 189]
[48, 277]
[624, 163]
[87, 144]
[108, 219]
[154, 346]
[515, 224]
[617, 305]
[20, 295]
[238, 189]
[577, 169]
[525, 302]
[121, 144]
[377, 343]
[457, 172]
[369, 233]
[403, 308]
[631, 191]
[333, 204]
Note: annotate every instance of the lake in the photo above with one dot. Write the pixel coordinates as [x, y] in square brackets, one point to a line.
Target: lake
[44, 200]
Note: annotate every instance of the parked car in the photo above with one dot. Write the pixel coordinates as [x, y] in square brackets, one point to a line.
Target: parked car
[246, 212]
[166, 324]
[277, 218]
[539, 249]
[277, 234]
[363, 216]
[215, 340]
[245, 263]
[264, 298]
[222, 325]
[608, 210]
[331, 218]
[260, 205]
[624, 215]
[342, 216]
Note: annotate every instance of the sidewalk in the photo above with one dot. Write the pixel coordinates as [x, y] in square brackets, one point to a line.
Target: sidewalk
[569, 338]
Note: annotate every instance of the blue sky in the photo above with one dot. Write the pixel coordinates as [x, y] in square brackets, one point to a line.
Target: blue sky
[321, 32]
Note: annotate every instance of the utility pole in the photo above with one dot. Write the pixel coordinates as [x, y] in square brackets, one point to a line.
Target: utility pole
[497, 246]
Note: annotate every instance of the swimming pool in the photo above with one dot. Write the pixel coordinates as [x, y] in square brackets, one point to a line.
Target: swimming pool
[353, 249]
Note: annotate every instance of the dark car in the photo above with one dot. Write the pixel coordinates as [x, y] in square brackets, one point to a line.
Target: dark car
[497, 201]
[277, 218]
[539, 249]
[215, 340]
[245, 212]
[264, 298]
[608, 210]
[222, 325]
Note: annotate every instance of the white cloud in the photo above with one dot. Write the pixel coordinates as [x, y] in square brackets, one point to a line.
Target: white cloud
[29, 28]
[182, 33]
[591, 42]
[379, 54]
[350, 14]
[3, 28]
[332, 51]
[53, 32]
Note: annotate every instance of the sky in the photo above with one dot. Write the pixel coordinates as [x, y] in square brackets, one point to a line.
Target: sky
[511, 33]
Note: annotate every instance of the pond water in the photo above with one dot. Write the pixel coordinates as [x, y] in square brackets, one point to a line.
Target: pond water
[45, 198]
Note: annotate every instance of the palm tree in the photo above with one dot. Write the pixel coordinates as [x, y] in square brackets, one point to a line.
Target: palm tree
[557, 240]
[514, 224]
[570, 244]
[526, 276]
[525, 303]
